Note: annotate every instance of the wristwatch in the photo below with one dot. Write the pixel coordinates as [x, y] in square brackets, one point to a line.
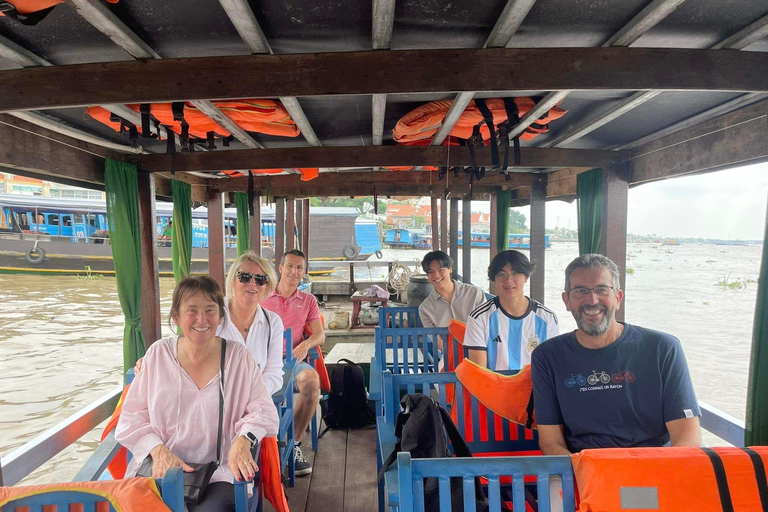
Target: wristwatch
[252, 438]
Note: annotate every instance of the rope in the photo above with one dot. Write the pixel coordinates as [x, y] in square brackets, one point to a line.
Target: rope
[399, 277]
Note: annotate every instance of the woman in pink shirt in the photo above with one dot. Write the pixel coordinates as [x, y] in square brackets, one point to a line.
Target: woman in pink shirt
[171, 412]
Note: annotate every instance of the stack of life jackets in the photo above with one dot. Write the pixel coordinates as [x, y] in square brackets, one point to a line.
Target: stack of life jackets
[480, 124]
[31, 12]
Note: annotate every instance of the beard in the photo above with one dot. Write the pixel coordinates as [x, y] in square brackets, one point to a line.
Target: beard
[592, 329]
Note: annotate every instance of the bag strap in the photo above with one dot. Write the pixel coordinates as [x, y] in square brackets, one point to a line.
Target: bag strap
[221, 399]
[347, 361]
[460, 447]
[721, 478]
[269, 324]
[762, 484]
[529, 412]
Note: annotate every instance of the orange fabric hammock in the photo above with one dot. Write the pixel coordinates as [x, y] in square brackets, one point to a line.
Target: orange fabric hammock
[424, 121]
[254, 115]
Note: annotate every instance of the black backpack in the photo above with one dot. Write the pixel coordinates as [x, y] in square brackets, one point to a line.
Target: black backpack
[347, 405]
[420, 430]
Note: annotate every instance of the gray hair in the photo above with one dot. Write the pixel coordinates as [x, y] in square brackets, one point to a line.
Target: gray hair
[593, 261]
[251, 256]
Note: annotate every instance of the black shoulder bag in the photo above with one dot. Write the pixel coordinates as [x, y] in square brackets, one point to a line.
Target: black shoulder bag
[196, 482]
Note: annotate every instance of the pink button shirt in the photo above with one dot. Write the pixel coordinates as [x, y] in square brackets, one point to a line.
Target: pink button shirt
[297, 310]
[164, 406]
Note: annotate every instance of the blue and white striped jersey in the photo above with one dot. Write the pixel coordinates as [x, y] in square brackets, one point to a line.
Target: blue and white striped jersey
[509, 340]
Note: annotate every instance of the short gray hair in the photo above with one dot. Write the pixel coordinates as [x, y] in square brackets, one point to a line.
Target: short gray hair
[593, 261]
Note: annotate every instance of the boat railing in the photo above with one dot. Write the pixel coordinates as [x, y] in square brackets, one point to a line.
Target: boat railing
[25, 459]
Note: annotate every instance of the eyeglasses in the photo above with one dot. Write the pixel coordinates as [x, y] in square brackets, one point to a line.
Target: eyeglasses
[583, 291]
[503, 276]
[245, 278]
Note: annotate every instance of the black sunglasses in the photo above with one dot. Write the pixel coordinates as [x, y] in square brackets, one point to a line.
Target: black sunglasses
[245, 278]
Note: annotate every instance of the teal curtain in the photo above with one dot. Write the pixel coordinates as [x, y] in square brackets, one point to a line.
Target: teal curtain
[503, 199]
[756, 433]
[122, 187]
[243, 226]
[181, 244]
[589, 193]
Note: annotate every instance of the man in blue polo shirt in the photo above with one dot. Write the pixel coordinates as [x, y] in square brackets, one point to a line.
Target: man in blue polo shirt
[610, 384]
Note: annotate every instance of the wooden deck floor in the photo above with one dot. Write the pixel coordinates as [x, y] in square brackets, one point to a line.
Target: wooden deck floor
[343, 477]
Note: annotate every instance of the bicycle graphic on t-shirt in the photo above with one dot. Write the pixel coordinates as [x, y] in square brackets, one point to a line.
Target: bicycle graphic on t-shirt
[572, 381]
[623, 375]
[598, 377]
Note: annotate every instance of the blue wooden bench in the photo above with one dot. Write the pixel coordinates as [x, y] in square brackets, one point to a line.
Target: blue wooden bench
[171, 488]
[498, 435]
[412, 472]
[403, 350]
[398, 317]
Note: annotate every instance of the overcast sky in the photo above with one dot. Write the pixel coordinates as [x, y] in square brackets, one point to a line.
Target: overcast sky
[726, 204]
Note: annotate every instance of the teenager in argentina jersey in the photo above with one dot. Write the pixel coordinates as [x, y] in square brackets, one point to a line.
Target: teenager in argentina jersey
[503, 332]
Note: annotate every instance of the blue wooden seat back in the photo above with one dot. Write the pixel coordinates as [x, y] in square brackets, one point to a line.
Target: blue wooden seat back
[283, 399]
[398, 317]
[503, 436]
[412, 472]
[409, 350]
[171, 488]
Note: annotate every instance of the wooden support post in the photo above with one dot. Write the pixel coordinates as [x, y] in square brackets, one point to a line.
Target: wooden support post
[444, 225]
[613, 240]
[466, 247]
[290, 224]
[435, 228]
[538, 244]
[299, 215]
[150, 283]
[217, 263]
[306, 222]
[454, 246]
[254, 229]
[279, 232]
[494, 221]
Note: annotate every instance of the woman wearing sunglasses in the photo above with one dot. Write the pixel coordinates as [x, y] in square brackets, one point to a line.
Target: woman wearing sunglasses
[250, 280]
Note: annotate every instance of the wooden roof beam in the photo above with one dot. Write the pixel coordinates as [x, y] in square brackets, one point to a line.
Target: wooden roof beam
[366, 157]
[383, 26]
[507, 69]
[745, 37]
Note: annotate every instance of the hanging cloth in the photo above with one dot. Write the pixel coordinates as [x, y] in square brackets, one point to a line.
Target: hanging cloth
[756, 431]
[589, 194]
[243, 225]
[181, 235]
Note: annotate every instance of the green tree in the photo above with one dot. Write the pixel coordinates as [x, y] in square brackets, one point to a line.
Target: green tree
[517, 222]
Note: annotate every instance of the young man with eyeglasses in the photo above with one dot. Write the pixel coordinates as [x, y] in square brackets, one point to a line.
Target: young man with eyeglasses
[297, 308]
[502, 333]
[610, 384]
[449, 299]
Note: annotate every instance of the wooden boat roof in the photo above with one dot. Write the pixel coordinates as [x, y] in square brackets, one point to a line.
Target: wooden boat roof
[636, 77]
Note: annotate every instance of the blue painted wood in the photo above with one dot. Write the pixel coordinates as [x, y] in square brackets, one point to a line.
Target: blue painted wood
[283, 400]
[398, 317]
[171, 487]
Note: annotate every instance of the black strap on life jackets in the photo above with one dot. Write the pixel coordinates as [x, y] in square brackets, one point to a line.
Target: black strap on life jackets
[145, 110]
[441, 173]
[513, 119]
[488, 120]
[762, 483]
[177, 108]
[210, 138]
[721, 478]
[133, 134]
[32, 18]
[251, 193]
[227, 140]
[529, 412]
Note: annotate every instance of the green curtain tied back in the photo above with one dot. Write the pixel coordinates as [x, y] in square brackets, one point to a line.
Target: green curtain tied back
[122, 188]
[503, 199]
[756, 432]
[181, 234]
[243, 225]
[589, 193]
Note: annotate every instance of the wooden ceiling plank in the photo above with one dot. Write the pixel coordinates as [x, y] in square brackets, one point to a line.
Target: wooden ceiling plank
[645, 20]
[745, 37]
[367, 156]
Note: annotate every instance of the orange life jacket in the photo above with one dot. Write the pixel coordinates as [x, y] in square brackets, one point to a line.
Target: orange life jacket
[269, 462]
[253, 115]
[133, 494]
[307, 174]
[319, 363]
[675, 479]
[424, 121]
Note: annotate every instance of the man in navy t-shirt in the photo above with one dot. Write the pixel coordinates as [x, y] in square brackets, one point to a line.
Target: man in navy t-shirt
[610, 384]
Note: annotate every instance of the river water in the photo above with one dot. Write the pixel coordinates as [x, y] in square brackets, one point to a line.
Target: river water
[60, 337]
